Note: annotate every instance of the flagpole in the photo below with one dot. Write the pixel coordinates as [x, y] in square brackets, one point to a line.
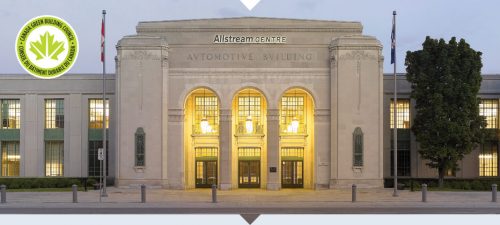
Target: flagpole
[395, 109]
[104, 194]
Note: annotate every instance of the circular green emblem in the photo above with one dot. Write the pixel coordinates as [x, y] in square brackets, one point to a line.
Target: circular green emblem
[46, 47]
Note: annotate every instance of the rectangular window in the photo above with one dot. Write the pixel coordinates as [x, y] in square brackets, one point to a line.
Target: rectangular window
[450, 173]
[206, 107]
[54, 158]
[10, 114]
[404, 163]
[54, 113]
[249, 115]
[96, 112]
[94, 163]
[403, 113]
[489, 109]
[488, 159]
[292, 152]
[292, 110]
[249, 105]
[248, 152]
[10, 158]
[201, 152]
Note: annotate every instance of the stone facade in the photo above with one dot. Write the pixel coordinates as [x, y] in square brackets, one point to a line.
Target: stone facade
[334, 62]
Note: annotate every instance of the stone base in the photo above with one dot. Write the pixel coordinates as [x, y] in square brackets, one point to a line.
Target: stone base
[225, 187]
[321, 186]
[273, 186]
[150, 183]
[360, 183]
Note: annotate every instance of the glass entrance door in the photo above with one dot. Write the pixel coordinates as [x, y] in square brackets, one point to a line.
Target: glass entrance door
[206, 174]
[292, 174]
[249, 174]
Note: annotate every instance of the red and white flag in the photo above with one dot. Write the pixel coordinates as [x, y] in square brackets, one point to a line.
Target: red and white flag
[102, 40]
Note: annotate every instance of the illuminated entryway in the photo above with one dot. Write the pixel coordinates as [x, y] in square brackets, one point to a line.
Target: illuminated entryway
[292, 167]
[201, 138]
[249, 167]
[296, 139]
[249, 142]
[206, 166]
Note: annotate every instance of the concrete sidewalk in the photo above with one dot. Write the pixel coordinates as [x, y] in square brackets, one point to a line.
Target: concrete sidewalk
[250, 200]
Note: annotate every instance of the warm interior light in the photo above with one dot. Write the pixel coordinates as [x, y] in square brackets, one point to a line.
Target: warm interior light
[13, 157]
[485, 156]
[249, 125]
[295, 125]
[205, 127]
[12, 112]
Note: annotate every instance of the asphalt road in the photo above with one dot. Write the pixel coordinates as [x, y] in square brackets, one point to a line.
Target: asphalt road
[232, 210]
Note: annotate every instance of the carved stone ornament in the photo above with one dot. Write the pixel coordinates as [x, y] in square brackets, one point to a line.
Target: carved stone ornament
[141, 55]
[357, 55]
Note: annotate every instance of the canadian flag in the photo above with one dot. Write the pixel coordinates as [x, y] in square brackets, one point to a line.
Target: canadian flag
[102, 40]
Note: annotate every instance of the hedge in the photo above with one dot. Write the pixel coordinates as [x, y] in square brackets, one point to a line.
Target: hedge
[39, 182]
[478, 184]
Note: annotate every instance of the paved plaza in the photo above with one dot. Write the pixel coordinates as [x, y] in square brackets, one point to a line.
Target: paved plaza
[369, 201]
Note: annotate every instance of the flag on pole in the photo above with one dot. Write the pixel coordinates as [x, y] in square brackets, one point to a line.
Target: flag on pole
[393, 41]
[102, 40]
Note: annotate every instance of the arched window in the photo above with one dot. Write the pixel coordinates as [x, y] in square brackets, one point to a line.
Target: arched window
[357, 147]
[140, 147]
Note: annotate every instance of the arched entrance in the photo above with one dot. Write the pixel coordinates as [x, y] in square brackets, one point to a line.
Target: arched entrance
[296, 139]
[249, 143]
[201, 138]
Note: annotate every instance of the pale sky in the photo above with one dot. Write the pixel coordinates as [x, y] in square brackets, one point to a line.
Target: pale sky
[475, 21]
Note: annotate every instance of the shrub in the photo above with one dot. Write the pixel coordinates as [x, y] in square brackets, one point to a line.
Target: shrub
[39, 182]
[464, 184]
[477, 185]
[91, 182]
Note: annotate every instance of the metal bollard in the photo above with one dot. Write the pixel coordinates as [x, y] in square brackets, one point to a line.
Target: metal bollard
[214, 193]
[143, 193]
[494, 192]
[75, 193]
[3, 191]
[424, 192]
[354, 189]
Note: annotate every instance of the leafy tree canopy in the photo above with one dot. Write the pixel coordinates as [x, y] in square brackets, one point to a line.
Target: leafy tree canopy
[445, 80]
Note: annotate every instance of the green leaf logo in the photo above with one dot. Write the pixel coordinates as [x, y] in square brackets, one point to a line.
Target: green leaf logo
[47, 47]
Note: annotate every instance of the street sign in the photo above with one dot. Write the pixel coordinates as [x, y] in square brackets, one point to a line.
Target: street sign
[100, 154]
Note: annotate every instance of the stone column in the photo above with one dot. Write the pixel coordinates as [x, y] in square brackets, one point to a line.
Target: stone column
[273, 178]
[333, 115]
[175, 150]
[225, 139]
[164, 116]
[322, 160]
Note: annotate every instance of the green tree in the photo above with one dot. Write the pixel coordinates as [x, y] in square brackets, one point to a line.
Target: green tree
[445, 80]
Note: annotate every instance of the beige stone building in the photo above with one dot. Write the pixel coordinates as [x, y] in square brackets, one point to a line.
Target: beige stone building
[250, 102]
[239, 103]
